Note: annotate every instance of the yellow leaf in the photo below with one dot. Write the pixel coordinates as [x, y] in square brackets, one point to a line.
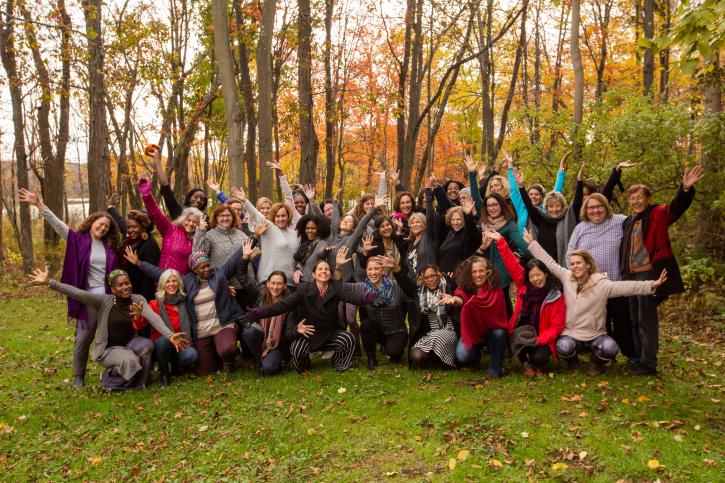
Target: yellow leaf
[310, 432]
[642, 399]
[496, 463]
[653, 464]
[417, 437]
[452, 464]
[342, 390]
[96, 460]
[697, 427]
[524, 434]
[462, 455]
[582, 455]
[603, 383]
[625, 401]
[559, 466]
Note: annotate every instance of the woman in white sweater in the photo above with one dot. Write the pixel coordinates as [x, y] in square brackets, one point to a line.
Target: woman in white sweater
[586, 292]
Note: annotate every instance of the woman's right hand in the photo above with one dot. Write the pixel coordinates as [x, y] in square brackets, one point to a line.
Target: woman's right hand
[368, 246]
[247, 248]
[27, 196]
[381, 202]
[276, 166]
[341, 256]
[528, 237]
[260, 228]
[304, 329]
[178, 340]
[39, 277]
[131, 256]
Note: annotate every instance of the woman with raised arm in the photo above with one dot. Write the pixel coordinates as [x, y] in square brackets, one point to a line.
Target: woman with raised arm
[319, 327]
[313, 232]
[459, 237]
[586, 292]
[194, 198]
[177, 236]
[170, 305]
[482, 316]
[432, 332]
[125, 356]
[540, 313]
[386, 240]
[554, 227]
[265, 339]
[90, 256]
[222, 238]
[213, 312]
[136, 230]
[421, 248]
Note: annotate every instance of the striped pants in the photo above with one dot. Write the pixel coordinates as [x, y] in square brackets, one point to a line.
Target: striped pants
[342, 343]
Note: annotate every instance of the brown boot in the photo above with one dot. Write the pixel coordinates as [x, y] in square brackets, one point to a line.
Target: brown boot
[596, 366]
[572, 363]
[527, 370]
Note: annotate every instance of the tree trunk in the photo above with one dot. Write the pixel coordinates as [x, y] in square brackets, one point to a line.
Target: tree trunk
[648, 60]
[98, 162]
[309, 144]
[666, 7]
[576, 60]
[415, 86]
[264, 95]
[404, 67]
[230, 95]
[329, 102]
[8, 56]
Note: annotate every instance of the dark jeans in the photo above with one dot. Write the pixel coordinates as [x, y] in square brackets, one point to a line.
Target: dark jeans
[619, 326]
[497, 341]
[166, 354]
[253, 338]
[645, 323]
[537, 356]
[393, 345]
[212, 350]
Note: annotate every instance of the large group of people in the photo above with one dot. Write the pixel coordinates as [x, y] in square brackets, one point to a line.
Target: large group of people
[444, 276]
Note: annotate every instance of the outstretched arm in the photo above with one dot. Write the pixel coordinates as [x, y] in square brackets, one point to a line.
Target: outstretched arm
[162, 223]
[537, 251]
[92, 300]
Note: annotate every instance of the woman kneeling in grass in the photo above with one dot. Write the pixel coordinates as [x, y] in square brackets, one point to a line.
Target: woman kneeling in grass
[125, 356]
[586, 292]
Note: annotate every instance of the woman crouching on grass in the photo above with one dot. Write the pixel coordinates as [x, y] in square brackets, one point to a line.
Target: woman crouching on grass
[316, 304]
[170, 304]
[540, 312]
[586, 292]
[125, 356]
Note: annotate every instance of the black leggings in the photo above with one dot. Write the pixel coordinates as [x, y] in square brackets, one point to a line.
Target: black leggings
[393, 345]
[537, 356]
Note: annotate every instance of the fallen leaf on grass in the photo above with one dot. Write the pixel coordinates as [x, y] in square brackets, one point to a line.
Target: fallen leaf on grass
[572, 398]
[417, 437]
[495, 463]
[342, 390]
[707, 462]
[582, 455]
[463, 454]
[559, 466]
[96, 460]
[524, 434]
[642, 399]
[452, 464]
[654, 464]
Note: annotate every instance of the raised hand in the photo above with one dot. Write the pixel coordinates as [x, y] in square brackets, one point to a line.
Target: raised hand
[663, 278]
[394, 177]
[469, 162]
[368, 246]
[580, 174]
[693, 176]
[625, 165]
[213, 186]
[203, 223]
[27, 196]
[467, 204]
[398, 225]
[381, 202]
[562, 163]
[247, 248]
[239, 193]
[310, 191]
[260, 228]
[341, 256]
[131, 256]
[112, 200]
[135, 310]
[274, 166]
[39, 277]
[508, 159]
[380, 174]
[386, 262]
[304, 329]
[433, 181]
[528, 237]
[519, 177]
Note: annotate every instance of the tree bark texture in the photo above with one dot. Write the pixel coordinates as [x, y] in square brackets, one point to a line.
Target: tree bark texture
[264, 95]
[309, 144]
[648, 60]
[576, 60]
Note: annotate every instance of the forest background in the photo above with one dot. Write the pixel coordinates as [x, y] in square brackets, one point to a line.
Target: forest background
[338, 89]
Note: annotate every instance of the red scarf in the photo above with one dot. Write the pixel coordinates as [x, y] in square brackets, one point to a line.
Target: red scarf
[480, 313]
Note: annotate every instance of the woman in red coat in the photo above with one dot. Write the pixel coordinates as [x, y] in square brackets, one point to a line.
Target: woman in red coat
[540, 313]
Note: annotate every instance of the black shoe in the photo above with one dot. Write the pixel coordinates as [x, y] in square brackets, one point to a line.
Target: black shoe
[164, 379]
[642, 370]
[78, 382]
[372, 362]
[572, 363]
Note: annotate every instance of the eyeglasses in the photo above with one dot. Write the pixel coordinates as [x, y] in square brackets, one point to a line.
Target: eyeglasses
[431, 277]
[595, 207]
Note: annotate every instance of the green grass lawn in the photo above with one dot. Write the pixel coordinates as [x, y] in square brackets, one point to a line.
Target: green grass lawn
[390, 424]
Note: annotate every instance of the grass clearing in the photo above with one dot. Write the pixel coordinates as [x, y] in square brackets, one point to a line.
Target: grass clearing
[391, 424]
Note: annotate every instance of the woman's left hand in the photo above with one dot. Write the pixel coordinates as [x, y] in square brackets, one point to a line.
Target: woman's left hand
[178, 340]
[135, 310]
[658, 283]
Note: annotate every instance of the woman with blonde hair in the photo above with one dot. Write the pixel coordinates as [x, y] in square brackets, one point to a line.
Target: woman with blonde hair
[586, 292]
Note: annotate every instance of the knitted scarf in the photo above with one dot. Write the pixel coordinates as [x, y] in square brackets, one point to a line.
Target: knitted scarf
[272, 327]
[178, 302]
[495, 224]
[430, 301]
[531, 306]
[482, 312]
[385, 292]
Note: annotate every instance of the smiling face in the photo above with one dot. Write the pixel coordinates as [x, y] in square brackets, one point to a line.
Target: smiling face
[281, 218]
[327, 211]
[452, 191]
[121, 287]
[311, 230]
[369, 205]
[347, 224]
[638, 201]
[190, 224]
[416, 226]
[406, 204]
[171, 287]
[374, 271]
[133, 229]
[385, 229]
[579, 267]
[300, 204]
[275, 285]
[321, 273]
[495, 186]
[596, 212]
[236, 206]
[100, 227]
[554, 208]
[457, 221]
[264, 208]
[431, 279]
[537, 278]
[464, 197]
[197, 200]
[478, 274]
[224, 219]
[493, 208]
[535, 196]
[203, 270]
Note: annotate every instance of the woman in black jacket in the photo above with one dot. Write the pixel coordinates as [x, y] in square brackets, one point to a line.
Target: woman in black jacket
[316, 304]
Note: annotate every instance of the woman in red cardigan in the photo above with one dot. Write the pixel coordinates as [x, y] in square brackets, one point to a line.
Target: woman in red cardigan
[540, 313]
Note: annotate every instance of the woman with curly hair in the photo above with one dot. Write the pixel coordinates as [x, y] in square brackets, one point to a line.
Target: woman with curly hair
[90, 256]
[312, 231]
[483, 314]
